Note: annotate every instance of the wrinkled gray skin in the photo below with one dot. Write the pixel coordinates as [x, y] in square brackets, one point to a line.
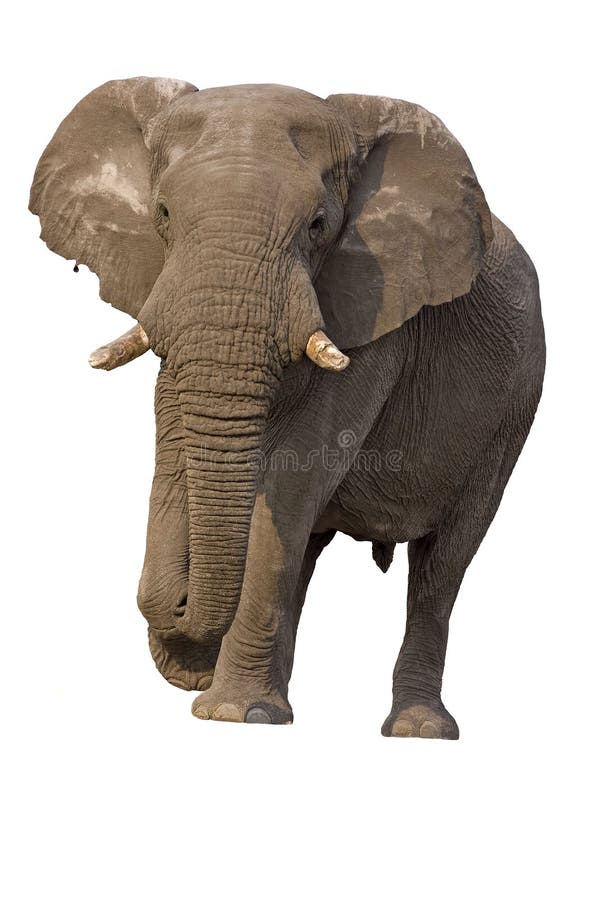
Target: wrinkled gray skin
[233, 223]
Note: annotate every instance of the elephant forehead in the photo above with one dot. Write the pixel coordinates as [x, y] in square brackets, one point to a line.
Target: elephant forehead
[255, 98]
[247, 115]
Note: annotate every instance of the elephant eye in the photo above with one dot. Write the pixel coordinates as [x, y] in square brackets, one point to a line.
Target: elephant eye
[163, 211]
[317, 226]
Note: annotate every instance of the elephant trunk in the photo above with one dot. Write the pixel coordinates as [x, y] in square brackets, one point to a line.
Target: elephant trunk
[223, 437]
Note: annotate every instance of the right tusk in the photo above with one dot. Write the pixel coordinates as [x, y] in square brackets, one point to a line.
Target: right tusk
[324, 353]
[125, 348]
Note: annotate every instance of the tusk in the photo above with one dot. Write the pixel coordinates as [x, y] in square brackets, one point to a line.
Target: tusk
[127, 347]
[324, 353]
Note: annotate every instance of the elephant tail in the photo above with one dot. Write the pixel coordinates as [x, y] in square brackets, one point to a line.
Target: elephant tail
[383, 554]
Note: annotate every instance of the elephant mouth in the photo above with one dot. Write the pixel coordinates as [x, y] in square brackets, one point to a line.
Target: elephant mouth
[180, 607]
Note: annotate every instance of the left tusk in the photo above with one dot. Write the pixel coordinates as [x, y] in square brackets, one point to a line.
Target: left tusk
[125, 348]
[324, 353]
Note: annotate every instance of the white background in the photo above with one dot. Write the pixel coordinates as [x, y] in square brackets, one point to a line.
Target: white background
[112, 788]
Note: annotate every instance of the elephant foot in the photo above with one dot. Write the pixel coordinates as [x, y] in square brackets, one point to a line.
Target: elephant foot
[182, 662]
[421, 720]
[224, 705]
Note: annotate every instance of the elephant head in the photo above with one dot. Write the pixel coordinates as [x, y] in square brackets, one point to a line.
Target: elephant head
[244, 227]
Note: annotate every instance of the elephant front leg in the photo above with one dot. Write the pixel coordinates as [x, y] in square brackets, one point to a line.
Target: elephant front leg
[255, 663]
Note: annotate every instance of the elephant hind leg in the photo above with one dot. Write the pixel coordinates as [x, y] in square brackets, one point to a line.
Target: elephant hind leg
[437, 564]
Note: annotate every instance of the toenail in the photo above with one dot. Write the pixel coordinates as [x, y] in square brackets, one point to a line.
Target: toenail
[402, 728]
[428, 729]
[258, 716]
[227, 712]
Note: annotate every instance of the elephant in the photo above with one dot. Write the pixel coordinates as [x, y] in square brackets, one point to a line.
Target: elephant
[349, 341]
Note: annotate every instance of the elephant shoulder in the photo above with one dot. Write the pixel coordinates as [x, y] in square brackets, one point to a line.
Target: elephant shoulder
[506, 292]
[508, 269]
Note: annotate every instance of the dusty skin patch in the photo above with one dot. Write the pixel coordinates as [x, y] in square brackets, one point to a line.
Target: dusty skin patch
[110, 181]
[169, 88]
[409, 117]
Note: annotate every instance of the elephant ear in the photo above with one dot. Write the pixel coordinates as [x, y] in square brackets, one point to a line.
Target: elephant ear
[91, 188]
[417, 223]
